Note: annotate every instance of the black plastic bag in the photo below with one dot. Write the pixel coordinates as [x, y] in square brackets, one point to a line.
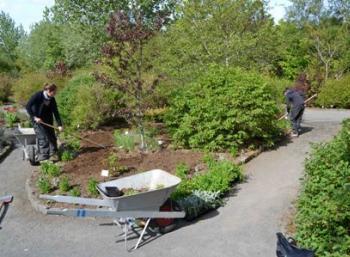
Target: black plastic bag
[287, 248]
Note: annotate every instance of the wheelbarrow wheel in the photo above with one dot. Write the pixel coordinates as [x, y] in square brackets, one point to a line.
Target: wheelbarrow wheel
[167, 225]
[31, 154]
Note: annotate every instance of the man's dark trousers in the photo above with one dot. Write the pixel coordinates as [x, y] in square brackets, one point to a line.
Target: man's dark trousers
[47, 141]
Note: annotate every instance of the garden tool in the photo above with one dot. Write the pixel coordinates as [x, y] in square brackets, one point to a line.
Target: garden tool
[73, 135]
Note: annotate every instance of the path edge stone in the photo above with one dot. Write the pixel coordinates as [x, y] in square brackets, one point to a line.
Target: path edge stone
[6, 151]
[32, 198]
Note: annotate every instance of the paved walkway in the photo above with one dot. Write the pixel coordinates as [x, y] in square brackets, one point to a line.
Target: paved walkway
[244, 227]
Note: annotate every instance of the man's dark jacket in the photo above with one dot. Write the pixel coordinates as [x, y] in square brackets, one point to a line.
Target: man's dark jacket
[43, 108]
[295, 102]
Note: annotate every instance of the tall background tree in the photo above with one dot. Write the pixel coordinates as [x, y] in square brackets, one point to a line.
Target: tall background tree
[10, 35]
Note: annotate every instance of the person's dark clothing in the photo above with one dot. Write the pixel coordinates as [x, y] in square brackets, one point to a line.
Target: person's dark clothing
[295, 107]
[44, 107]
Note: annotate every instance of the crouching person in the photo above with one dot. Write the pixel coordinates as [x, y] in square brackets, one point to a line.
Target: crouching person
[41, 108]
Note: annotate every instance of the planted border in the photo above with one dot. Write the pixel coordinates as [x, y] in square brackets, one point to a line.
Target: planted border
[323, 208]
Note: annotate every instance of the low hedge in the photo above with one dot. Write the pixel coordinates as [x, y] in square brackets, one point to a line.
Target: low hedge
[323, 208]
[335, 94]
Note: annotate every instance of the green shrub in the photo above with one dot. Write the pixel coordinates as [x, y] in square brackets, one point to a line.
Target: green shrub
[277, 87]
[10, 119]
[26, 86]
[71, 143]
[218, 178]
[68, 97]
[225, 108]
[44, 185]
[67, 156]
[50, 169]
[91, 187]
[75, 191]
[84, 103]
[6, 84]
[323, 208]
[186, 187]
[335, 94]
[64, 184]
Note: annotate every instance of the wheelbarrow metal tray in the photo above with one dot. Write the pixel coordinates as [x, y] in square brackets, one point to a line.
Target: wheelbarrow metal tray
[147, 201]
[26, 136]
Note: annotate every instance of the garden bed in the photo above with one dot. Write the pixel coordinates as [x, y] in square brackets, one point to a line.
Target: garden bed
[91, 160]
[208, 177]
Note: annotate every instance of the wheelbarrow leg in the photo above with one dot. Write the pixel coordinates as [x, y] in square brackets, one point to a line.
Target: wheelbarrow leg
[143, 232]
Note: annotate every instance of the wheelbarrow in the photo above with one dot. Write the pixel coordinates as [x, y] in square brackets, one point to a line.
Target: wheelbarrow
[143, 205]
[26, 137]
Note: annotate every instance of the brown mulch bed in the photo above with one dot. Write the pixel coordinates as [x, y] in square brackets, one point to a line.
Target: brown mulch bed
[92, 159]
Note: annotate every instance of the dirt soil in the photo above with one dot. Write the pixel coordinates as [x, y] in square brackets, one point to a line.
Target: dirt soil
[92, 159]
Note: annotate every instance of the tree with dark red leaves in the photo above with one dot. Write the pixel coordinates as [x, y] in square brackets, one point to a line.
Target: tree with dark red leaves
[129, 31]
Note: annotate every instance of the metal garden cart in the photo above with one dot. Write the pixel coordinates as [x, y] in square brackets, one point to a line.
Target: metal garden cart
[146, 205]
[27, 139]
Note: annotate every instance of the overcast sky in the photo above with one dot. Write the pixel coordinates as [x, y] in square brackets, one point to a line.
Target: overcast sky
[28, 12]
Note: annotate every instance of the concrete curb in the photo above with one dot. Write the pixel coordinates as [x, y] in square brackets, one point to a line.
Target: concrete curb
[242, 159]
[33, 200]
[5, 152]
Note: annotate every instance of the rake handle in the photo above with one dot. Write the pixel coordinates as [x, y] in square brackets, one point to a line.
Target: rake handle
[76, 136]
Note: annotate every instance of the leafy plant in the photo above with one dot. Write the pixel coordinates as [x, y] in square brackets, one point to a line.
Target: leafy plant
[75, 191]
[50, 169]
[323, 208]
[128, 139]
[6, 84]
[223, 109]
[114, 166]
[330, 97]
[199, 202]
[71, 143]
[218, 178]
[67, 156]
[64, 185]
[44, 185]
[124, 140]
[84, 104]
[92, 187]
[129, 30]
[10, 119]
[27, 85]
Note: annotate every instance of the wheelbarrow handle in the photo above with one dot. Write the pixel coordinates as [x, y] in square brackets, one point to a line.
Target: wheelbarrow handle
[6, 199]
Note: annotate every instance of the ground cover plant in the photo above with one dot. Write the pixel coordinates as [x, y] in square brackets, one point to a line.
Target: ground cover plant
[323, 208]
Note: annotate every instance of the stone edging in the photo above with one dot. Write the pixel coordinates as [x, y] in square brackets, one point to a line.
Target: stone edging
[43, 209]
[5, 151]
[32, 199]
